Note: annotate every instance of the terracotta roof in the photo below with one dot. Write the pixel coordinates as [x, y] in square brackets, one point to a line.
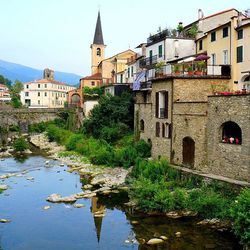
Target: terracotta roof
[3, 86]
[48, 81]
[219, 13]
[97, 76]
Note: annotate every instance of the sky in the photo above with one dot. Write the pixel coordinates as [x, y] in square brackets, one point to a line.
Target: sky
[58, 33]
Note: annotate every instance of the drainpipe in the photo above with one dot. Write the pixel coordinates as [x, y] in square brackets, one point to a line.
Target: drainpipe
[172, 127]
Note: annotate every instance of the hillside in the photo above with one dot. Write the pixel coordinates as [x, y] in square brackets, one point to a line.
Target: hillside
[23, 73]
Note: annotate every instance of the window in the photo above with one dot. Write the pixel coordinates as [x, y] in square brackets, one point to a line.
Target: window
[38, 102]
[225, 56]
[145, 96]
[27, 86]
[128, 72]
[160, 51]
[166, 130]
[45, 85]
[98, 52]
[39, 86]
[231, 133]
[121, 78]
[240, 34]
[225, 32]
[45, 93]
[239, 54]
[213, 59]
[157, 129]
[38, 94]
[200, 45]
[93, 83]
[26, 93]
[132, 71]
[141, 125]
[213, 36]
[161, 104]
[150, 56]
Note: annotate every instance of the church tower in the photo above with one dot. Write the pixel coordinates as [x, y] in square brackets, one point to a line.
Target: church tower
[98, 47]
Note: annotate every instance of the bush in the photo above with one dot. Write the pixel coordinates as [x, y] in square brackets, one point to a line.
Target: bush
[125, 157]
[208, 203]
[38, 127]
[20, 144]
[73, 140]
[104, 156]
[14, 128]
[114, 132]
[240, 213]
[57, 134]
[143, 148]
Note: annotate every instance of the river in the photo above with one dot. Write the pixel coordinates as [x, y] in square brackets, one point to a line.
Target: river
[66, 227]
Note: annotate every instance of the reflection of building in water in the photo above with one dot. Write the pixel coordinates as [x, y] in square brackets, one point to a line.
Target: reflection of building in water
[98, 211]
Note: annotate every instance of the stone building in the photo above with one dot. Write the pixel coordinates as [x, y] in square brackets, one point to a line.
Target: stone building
[174, 114]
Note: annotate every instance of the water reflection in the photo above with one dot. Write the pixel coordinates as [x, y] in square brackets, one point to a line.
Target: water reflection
[98, 210]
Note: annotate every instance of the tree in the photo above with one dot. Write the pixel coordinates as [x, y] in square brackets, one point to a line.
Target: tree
[15, 94]
[5, 81]
[112, 110]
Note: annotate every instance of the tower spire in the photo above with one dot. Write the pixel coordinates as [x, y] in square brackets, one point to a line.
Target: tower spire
[98, 38]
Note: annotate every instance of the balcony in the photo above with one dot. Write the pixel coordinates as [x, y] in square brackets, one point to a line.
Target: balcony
[148, 62]
[194, 70]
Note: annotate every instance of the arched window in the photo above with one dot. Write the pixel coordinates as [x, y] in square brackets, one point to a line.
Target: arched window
[98, 52]
[141, 125]
[231, 133]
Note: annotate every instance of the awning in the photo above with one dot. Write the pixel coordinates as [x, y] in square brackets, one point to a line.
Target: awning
[188, 59]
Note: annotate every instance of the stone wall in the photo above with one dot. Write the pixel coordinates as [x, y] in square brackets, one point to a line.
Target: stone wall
[225, 159]
[24, 117]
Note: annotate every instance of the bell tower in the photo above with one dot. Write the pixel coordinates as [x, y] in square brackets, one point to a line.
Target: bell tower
[97, 47]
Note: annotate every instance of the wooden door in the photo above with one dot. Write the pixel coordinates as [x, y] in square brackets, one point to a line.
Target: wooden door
[188, 150]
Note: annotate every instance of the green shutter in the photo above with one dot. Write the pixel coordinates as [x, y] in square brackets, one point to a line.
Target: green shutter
[160, 51]
[239, 54]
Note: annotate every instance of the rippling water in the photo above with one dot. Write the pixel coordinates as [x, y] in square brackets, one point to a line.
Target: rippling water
[65, 227]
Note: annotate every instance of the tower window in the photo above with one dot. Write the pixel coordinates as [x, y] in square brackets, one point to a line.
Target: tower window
[98, 52]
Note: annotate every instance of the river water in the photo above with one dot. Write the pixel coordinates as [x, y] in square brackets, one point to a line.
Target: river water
[65, 227]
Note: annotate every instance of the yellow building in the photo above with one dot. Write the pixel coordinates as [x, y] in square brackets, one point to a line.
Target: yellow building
[104, 71]
[226, 45]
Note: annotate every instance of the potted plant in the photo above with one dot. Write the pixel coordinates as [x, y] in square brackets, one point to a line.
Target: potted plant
[190, 70]
[159, 68]
[200, 68]
[176, 69]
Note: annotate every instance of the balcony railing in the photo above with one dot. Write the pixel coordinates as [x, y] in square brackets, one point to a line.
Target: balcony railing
[148, 62]
[190, 71]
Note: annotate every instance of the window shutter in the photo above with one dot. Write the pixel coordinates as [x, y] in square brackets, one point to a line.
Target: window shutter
[157, 129]
[157, 104]
[170, 130]
[166, 105]
[163, 130]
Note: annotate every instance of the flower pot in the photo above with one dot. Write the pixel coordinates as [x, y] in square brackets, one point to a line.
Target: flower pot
[190, 73]
[243, 91]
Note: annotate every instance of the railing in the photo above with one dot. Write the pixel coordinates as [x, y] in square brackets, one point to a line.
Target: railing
[190, 71]
[148, 62]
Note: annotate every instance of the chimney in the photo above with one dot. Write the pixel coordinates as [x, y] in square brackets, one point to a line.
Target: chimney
[200, 14]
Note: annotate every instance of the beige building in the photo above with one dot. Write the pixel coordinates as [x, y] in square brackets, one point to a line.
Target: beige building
[45, 93]
[224, 37]
[4, 93]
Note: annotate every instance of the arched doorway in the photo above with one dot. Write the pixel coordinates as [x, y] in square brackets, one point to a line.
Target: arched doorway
[75, 99]
[188, 150]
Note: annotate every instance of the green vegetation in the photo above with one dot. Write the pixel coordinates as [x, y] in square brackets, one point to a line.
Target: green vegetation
[20, 145]
[14, 128]
[156, 186]
[240, 213]
[112, 114]
[5, 81]
[15, 90]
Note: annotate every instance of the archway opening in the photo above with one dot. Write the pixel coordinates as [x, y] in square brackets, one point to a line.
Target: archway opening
[231, 133]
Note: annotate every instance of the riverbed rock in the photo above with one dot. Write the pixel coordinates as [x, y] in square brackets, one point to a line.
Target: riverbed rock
[46, 207]
[78, 205]
[216, 224]
[163, 237]
[3, 187]
[88, 186]
[178, 234]
[30, 178]
[154, 241]
[57, 198]
[134, 222]
[173, 215]
[4, 221]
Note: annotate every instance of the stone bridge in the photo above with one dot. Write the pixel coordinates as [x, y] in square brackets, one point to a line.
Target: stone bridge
[23, 117]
